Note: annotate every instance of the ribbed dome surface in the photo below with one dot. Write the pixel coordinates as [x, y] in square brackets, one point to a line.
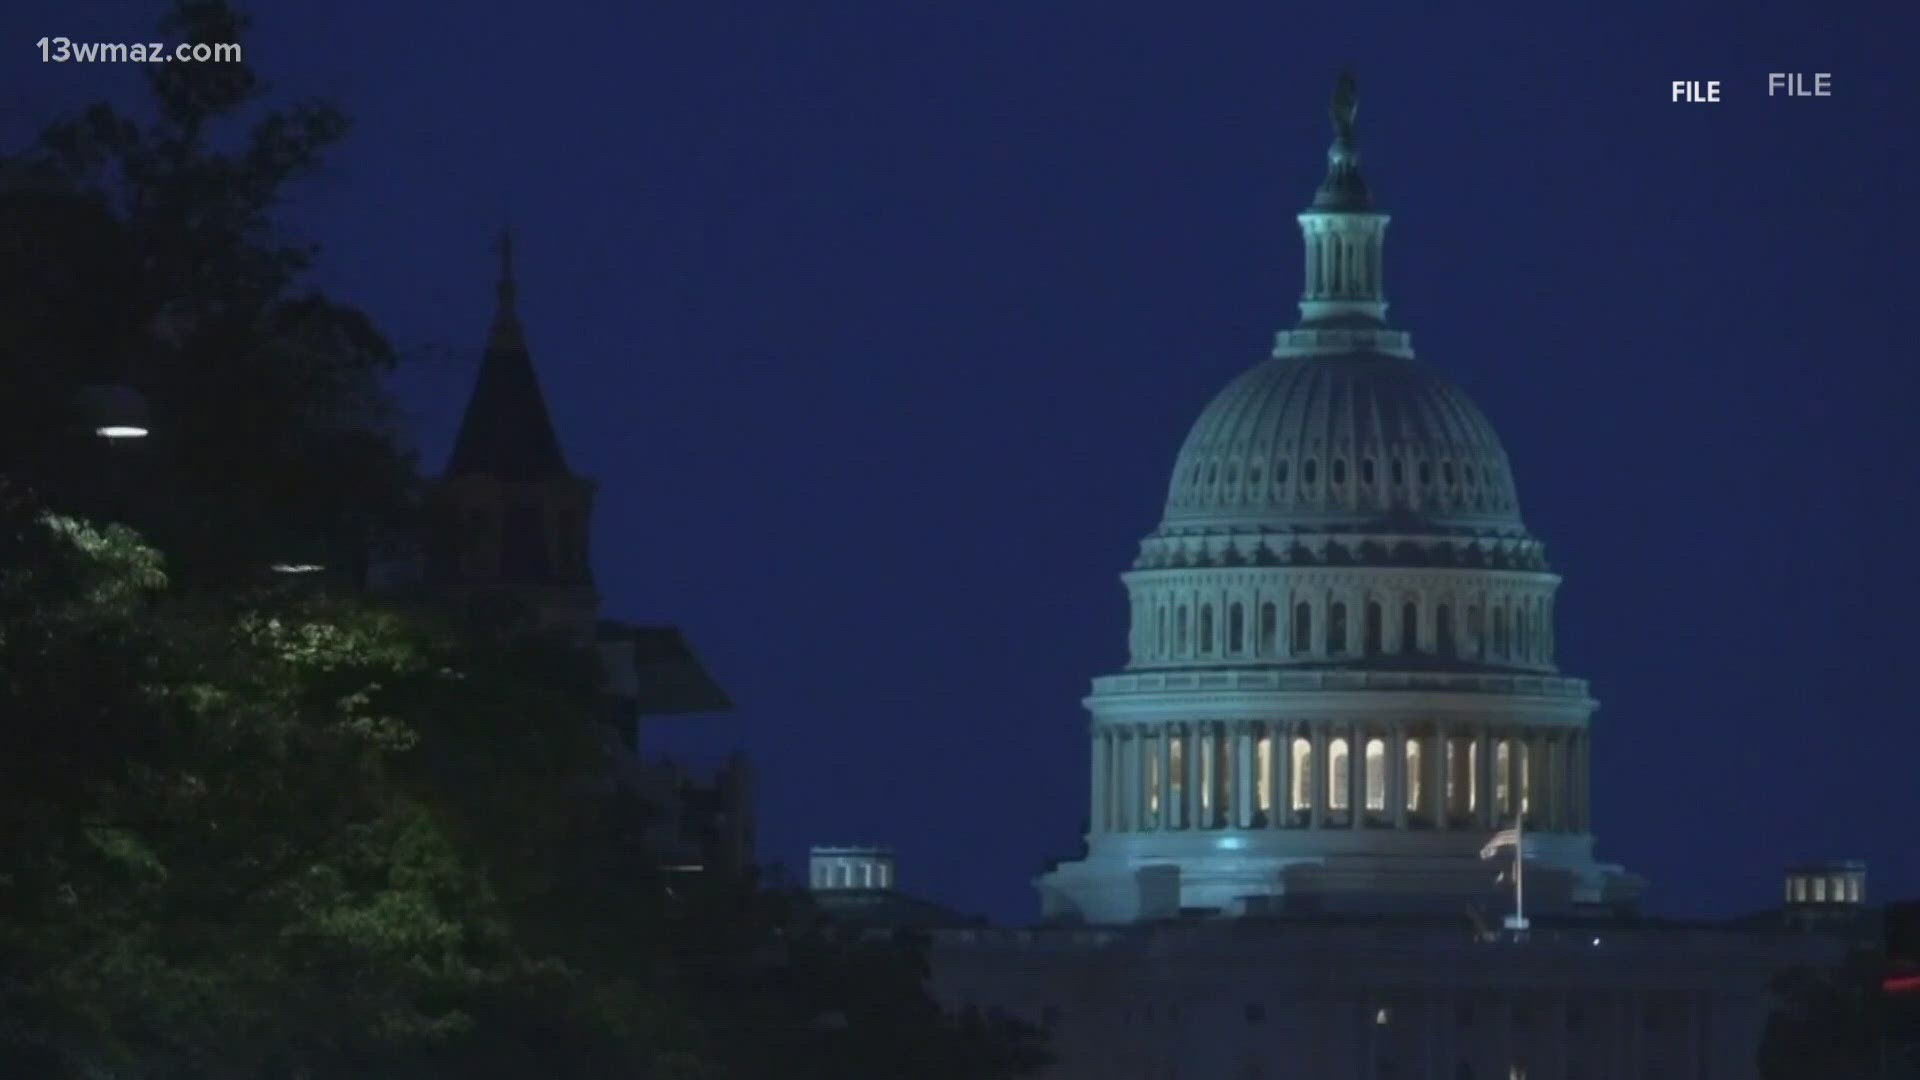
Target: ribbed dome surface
[1337, 442]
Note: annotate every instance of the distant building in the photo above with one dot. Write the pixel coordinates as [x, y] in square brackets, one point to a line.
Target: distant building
[511, 529]
[1341, 682]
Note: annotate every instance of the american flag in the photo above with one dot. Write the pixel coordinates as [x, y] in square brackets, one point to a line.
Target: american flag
[1503, 838]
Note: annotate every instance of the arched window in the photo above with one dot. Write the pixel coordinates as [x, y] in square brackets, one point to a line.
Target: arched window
[1269, 627]
[1236, 628]
[1503, 777]
[1376, 774]
[1409, 627]
[1207, 750]
[1500, 632]
[1302, 628]
[1301, 775]
[1180, 630]
[1339, 777]
[1337, 628]
[1206, 629]
[1416, 774]
[1443, 629]
[1375, 618]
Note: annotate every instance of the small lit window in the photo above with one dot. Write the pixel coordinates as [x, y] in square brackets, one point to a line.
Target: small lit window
[1302, 774]
[1382, 1016]
[1337, 779]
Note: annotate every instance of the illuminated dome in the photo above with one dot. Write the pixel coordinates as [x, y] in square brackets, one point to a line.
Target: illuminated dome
[1341, 675]
[1332, 442]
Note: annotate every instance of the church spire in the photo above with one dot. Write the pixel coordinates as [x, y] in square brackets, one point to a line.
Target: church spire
[507, 433]
[1342, 232]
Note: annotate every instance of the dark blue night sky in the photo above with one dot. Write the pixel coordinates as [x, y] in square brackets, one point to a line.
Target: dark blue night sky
[880, 324]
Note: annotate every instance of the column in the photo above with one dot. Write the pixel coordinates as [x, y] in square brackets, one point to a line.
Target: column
[1192, 781]
[1317, 816]
[1398, 778]
[1098, 821]
[1282, 773]
[1437, 776]
[1356, 777]
[1483, 776]
[1248, 798]
[1167, 816]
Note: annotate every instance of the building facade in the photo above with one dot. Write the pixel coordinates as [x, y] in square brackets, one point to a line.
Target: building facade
[1341, 682]
[1341, 670]
[512, 524]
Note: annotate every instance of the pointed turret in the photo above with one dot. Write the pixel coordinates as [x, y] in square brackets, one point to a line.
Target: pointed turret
[507, 433]
[514, 518]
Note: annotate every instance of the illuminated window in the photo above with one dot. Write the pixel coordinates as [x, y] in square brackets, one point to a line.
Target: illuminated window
[1338, 778]
[1337, 628]
[1206, 751]
[1473, 776]
[1502, 777]
[1206, 629]
[1177, 778]
[1523, 757]
[1263, 774]
[1150, 748]
[1236, 628]
[1269, 628]
[1819, 890]
[1415, 774]
[1373, 646]
[1302, 778]
[1376, 774]
[1302, 628]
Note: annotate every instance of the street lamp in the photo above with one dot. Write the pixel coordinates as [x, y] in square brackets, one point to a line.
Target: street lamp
[116, 412]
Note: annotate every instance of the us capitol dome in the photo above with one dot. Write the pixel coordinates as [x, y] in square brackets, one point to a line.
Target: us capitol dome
[1341, 678]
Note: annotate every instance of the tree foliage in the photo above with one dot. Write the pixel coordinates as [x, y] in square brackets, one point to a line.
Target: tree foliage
[272, 830]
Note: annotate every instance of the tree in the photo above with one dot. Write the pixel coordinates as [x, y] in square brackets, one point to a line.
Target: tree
[146, 255]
